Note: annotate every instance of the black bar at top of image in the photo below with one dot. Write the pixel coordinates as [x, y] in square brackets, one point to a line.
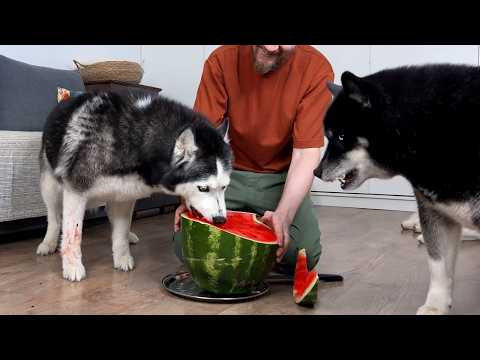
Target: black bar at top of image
[389, 24]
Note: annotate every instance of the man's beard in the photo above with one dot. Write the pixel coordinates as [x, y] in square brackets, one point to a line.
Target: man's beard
[265, 62]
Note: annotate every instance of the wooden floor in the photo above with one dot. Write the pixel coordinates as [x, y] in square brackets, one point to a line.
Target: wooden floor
[385, 273]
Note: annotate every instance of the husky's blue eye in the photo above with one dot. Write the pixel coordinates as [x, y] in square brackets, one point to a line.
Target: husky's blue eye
[203, 188]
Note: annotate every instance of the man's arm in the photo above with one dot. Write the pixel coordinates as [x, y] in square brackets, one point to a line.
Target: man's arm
[298, 184]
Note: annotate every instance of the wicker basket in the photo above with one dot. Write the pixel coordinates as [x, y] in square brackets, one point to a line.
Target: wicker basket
[125, 71]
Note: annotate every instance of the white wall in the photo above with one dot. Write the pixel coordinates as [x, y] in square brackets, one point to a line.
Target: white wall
[354, 58]
[387, 56]
[176, 69]
[62, 56]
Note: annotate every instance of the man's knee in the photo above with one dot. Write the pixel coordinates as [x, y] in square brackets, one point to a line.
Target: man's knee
[314, 258]
[305, 235]
[314, 251]
[308, 234]
[313, 248]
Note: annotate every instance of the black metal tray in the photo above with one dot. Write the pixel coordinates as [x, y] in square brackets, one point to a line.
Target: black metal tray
[183, 285]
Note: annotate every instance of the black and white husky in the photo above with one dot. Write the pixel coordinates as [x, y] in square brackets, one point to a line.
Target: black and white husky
[422, 123]
[115, 149]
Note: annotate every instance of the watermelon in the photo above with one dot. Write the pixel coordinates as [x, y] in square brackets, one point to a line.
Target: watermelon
[305, 285]
[230, 258]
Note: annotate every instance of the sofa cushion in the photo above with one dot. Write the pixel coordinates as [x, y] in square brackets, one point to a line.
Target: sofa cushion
[20, 196]
[28, 93]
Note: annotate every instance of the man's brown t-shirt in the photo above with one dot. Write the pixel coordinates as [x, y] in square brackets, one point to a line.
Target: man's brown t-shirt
[269, 114]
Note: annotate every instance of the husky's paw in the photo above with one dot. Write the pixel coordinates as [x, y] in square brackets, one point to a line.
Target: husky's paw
[74, 271]
[46, 248]
[412, 223]
[417, 228]
[123, 262]
[430, 310]
[420, 239]
[132, 238]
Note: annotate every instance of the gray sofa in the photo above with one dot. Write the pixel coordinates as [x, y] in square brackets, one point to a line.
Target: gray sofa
[27, 95]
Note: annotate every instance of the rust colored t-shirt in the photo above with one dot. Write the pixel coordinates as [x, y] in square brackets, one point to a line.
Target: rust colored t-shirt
[269, 114]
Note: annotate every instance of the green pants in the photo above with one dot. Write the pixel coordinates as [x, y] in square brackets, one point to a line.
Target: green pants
[258, 192]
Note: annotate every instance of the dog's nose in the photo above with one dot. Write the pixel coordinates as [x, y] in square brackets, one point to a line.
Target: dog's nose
[318, 172]
[219, 220]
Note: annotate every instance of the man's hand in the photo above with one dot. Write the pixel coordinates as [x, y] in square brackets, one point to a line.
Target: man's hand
[280, 225]
[180, 209]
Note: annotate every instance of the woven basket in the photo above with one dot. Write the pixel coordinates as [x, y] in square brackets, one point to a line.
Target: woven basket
[125, 71]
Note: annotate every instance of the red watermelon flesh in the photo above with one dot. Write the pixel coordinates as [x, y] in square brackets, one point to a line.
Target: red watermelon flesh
[305, 283]
[243, 224]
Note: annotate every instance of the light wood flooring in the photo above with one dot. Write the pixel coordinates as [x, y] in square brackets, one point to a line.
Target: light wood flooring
[385, 272]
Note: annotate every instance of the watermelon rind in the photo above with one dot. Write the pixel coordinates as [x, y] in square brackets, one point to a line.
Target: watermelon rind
[224, 263]
[308, 297]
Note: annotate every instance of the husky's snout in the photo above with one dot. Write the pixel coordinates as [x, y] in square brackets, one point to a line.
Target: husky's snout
[318, 171]
[324, 171]
[219, 220]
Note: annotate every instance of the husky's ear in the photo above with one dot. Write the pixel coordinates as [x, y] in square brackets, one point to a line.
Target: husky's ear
[334, 89]
[184, 150]
[356, 88]
[223, 129]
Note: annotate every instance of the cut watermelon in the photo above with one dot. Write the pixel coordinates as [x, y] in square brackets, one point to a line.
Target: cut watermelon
[229, 258]
[305, 285]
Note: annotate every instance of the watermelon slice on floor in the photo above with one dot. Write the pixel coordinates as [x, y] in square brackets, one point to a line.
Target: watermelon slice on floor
[230, 258]
[305, 286]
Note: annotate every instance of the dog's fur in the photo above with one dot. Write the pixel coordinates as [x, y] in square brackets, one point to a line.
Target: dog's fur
[422, 123]
[111, 148]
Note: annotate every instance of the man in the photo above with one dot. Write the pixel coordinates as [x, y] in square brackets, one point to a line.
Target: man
[275, 97]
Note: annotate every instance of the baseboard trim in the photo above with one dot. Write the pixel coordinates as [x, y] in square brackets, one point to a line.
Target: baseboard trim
[365, 201]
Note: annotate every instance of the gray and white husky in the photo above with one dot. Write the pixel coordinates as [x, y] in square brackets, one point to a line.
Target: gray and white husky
[113, 149]
[420, 122]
